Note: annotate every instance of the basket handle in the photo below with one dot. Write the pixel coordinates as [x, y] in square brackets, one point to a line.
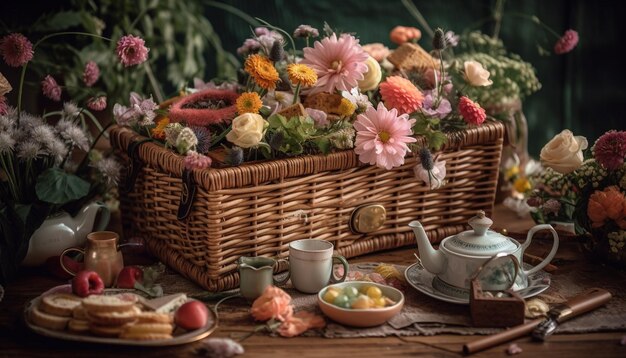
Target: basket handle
[187, 195]
[134, 167]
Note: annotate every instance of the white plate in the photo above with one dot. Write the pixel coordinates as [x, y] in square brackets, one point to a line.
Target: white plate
[179, 338]
[422, 280]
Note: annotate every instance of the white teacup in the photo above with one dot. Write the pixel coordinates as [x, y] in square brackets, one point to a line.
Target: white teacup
[311, 265]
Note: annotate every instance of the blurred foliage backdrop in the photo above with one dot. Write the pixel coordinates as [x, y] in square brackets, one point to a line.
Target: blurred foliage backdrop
[583, 90]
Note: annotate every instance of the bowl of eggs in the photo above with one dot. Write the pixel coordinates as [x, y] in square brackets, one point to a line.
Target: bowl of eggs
[360, 303]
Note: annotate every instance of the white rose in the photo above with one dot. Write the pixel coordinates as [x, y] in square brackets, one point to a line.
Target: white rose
[476, 75]
[372, 76]
[247, 130]
[564, 153]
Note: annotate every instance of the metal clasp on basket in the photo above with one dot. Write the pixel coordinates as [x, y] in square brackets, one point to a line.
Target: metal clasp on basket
[367, 218]
[187, 195]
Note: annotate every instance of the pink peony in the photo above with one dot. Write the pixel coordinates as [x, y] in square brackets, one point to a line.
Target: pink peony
[566, 43]
[299, 323]
[195, 160]
[610, 149]
[398, 92]
[273, 303]
[471, 111]
[131, 50]
[51, 88]
[16, 49]
[4, 107]
[338, 62]
[97, 103]
[382, 136]
[377, 50]
[91, 73]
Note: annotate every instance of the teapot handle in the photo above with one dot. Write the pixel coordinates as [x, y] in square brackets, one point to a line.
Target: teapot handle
[555, 246]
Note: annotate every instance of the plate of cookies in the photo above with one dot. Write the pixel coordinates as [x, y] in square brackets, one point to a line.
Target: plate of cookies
[118, 317]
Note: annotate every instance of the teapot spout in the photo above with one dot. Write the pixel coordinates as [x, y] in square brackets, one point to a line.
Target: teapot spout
[433, 260]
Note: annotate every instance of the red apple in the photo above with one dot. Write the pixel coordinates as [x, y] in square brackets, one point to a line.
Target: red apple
[87, 283]
[191, 315]
[128, 276]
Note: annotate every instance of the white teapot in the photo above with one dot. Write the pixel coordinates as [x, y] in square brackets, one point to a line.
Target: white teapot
[460, 256]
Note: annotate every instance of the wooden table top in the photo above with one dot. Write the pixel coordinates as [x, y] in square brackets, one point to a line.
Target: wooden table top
[17, 341]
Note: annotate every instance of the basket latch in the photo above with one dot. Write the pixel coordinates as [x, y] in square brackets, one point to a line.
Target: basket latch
[134, 167]
[187, 195]
[367, 218]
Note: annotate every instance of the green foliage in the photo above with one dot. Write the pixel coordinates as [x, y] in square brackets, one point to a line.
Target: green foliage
[293, 133]
[56, 186]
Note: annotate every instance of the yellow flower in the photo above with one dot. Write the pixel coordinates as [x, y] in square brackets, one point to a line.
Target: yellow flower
[158, 132]
[262, 71]
[511, 172]
[301, 74]
[346, 108]
[249, 102]
[522, 185]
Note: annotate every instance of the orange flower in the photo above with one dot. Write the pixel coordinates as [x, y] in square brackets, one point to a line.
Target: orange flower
[609, 204]
[158, 132]
[300, 323]
[301, 74]
[273, 303]
[262, 71]
[400, 93]
[402, 34]
[249, 102]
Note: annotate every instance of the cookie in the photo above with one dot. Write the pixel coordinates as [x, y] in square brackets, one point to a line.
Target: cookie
[78, 326]
[115, 318]
[295, 110]
[323, 101]
[154, 317]
[105, 331]
[148, 328]
[79, 312]
[60, 304]
[117, 303]
[46, 320]
[145, 337]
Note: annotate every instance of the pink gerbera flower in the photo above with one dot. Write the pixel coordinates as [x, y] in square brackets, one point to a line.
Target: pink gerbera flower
[338, 62]
[51, 88]
[610, 149]
[97, 103]
[131, 50]
[382, 136]
[566, 43]
[398, 92]
[91, 73]
[16, 49]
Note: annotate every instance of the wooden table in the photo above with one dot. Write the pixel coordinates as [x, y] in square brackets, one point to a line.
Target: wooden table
[17, 341]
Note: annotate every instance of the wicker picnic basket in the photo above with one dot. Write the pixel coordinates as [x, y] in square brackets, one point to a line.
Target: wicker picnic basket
[201, 222]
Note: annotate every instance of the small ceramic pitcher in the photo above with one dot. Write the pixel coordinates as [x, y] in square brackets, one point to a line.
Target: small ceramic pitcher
[102, 255]
[255, 274]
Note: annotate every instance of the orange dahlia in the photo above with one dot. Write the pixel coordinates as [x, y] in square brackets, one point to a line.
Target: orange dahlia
[262, 71]
[158, 132]
[249, 102]
[301, 74]
[609, 204]
[400, 93]
[471, 111]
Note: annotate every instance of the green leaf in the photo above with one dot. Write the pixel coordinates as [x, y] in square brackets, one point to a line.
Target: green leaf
[421, 124]
[55, 186]
[436, 139]
[323, 144]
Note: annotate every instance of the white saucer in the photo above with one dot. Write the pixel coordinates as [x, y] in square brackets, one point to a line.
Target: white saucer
[422, 280]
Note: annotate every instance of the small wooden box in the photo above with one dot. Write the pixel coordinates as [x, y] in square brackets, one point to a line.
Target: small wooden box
[486, 311]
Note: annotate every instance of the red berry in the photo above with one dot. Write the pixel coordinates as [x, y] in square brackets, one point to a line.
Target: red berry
[87, 283]
[128, 276]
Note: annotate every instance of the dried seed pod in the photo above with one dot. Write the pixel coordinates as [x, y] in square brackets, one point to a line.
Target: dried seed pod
[535, 308]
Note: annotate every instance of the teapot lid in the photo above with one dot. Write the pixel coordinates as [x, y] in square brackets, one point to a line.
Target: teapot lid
[480, 241]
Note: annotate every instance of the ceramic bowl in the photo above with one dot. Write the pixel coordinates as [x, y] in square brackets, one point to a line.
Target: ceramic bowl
[362, 317]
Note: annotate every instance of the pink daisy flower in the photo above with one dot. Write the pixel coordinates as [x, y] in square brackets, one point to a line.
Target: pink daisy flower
[610, 149]
[338, 62]
[91, 73]
[566, 43]
[16, 49]
[97, 103]
[398, 92]
[51, 88]
[131, 50]
[382, 136]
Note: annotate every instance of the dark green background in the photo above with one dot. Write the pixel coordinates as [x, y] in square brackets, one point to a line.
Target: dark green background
[582, 90]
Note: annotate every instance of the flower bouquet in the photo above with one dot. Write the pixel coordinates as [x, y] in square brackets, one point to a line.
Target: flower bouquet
[589, 193]
[48, 162]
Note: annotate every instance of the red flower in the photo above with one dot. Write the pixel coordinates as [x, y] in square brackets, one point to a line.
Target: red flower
[610, 149]
[471, 111]
[97, 103]
[566, 43]
[91, 73]
[16, 49]
[51, 88]
[131, 50]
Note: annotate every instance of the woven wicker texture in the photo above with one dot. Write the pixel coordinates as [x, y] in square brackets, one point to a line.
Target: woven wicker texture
[259, 208]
